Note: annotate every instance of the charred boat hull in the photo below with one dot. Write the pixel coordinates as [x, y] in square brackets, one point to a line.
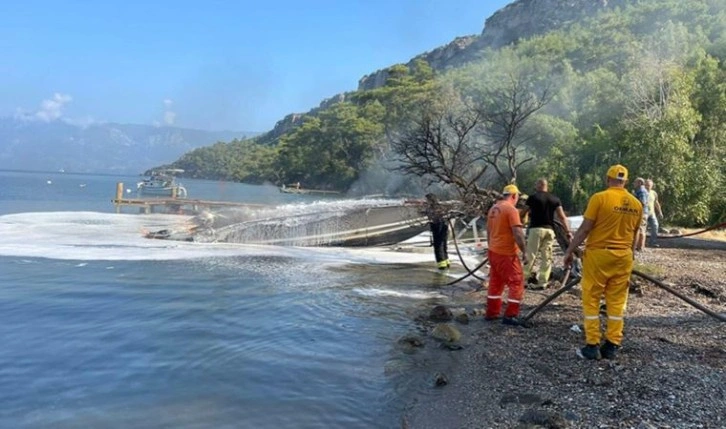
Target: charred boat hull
[358, 227]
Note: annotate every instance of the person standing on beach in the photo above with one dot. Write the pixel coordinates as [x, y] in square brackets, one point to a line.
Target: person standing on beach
[653, 210]
[436, 214]
[542, 207]
[505, 236]
[642, 195]
[610, 226]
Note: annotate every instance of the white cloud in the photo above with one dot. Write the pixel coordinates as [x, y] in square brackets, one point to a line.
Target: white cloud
[52, 109]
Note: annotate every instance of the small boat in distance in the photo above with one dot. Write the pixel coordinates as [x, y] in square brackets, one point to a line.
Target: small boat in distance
[162, 183]
[296, 189]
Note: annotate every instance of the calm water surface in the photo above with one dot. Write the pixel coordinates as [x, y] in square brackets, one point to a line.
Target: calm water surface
[103, 328]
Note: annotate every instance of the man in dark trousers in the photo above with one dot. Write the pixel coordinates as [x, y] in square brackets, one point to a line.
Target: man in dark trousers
[542, 207]
[439, 230]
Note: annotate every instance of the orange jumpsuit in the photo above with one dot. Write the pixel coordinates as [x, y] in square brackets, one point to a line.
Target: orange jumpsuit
[505, 269]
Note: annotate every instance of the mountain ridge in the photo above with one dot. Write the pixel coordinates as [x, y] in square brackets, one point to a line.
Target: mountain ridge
[519, 19]
[103, 147]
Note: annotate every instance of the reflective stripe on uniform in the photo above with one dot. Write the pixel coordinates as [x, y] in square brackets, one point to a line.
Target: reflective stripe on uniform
[615, 317]
[494, 297]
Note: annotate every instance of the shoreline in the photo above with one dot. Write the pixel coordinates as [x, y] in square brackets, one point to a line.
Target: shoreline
[671, 371]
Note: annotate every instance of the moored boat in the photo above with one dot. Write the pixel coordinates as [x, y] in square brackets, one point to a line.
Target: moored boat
[162, 183]
[296, 189]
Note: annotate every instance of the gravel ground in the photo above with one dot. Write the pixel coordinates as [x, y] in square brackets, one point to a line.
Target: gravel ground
[670, 373]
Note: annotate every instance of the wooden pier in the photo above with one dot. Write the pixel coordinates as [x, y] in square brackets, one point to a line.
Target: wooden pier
[172, 204]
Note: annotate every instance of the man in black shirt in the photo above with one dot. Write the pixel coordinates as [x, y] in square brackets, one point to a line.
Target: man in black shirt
[542, 208]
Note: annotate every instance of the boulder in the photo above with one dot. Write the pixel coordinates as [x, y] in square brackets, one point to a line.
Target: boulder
[441, 313]
[447, 333]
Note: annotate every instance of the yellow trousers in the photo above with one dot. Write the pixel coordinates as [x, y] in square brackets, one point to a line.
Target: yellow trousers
[540, 241]
[605, 271]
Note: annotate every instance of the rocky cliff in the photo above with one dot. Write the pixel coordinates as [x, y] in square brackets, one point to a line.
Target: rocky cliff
[523, 19]
[294, 119]
[451, 55]
[520, 19]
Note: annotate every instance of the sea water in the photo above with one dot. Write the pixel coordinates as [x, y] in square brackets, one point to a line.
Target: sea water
[101, 327]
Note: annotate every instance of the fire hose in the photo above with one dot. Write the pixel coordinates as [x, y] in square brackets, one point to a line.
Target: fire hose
[658, 283]
[573, 282]
[564, 242]
[566, 286]
[710, 228]
[661, 285]
[469, 272]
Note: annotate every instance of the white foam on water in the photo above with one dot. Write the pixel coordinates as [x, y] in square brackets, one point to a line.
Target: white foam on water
[232, 215]
[334, 205]
[414, 294]
[88, 236]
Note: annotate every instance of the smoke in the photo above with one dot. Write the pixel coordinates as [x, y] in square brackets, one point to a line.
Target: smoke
[51, 109]
[220, 94]
[169, 116]
[383, 177]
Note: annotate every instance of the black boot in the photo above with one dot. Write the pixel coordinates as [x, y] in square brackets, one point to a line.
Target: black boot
[590, 351]
[511, 321]
[609, 350]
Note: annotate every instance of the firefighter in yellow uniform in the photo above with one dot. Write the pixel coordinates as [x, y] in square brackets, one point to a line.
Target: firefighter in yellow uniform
[610, 226]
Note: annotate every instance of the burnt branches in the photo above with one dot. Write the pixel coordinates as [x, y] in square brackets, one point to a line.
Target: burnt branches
[504, 110]
[441, 144]
[470, 142]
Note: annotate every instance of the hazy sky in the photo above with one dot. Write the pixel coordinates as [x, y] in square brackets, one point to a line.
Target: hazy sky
[237, 65]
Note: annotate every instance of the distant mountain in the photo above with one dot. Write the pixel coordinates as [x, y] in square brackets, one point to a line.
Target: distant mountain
[109, 147]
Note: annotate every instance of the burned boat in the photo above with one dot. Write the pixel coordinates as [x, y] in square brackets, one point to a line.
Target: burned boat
[347, 223]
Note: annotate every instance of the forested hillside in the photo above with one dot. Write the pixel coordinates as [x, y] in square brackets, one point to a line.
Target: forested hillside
[642, 84]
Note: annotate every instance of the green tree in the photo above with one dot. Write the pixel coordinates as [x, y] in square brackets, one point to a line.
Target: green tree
[660, 129]
[330, 150]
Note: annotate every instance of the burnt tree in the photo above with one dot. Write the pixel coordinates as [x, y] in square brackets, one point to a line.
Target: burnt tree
[443, 145]
[504, 112]
[455, 142]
